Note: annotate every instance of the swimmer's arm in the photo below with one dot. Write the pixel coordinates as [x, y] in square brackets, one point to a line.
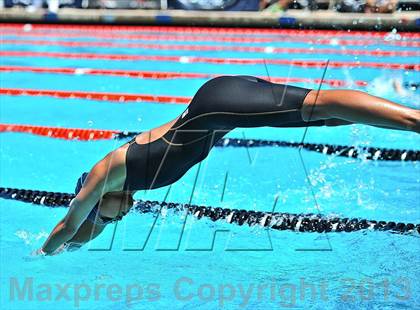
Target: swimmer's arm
[56, 233]
[87, 232]
[80, 208]
[68, 227]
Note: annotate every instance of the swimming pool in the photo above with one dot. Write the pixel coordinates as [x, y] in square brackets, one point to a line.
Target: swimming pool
[175, 262]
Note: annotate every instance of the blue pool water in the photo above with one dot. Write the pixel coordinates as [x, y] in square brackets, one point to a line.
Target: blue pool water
[175, 263]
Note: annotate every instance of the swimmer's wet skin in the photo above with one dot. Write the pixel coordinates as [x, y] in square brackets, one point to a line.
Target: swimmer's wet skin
[94, 217]
[163, 155]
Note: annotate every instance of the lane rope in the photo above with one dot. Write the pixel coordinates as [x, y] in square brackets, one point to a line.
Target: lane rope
[142, 37]
[313, 223]
[210, 30]
[211, 38]
[100, 96]
[368, 153]
[217, 48]
[214, 60]
[172, 75]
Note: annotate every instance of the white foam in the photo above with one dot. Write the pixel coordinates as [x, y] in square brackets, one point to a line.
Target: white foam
[184, 59]
[269, 49]
[29, 237]
[81, 71]
[334, 42]
[27, 27]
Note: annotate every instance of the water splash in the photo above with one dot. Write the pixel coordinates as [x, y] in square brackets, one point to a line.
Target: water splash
[30, 238]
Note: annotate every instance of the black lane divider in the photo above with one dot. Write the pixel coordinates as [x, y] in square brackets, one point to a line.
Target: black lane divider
[370, 153]
[274, 220]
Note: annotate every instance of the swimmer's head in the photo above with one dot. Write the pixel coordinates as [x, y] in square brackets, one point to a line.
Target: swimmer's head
[123, 200]
[80, 181]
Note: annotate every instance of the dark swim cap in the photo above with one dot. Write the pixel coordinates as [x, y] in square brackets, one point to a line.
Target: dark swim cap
[80, 182]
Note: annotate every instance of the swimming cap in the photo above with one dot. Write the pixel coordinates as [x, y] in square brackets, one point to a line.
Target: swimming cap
[80, 182]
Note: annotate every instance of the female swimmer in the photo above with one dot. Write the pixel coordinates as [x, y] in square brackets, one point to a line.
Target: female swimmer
[164, 154]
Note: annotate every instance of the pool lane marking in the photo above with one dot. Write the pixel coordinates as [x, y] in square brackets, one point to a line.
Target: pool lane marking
[214, 60]
[395, 38]
[217, 48]
[208, 30]
[100, 96]
[170, 75]
[145, 37]
[59, 132]
[182, 38]
[81, 134]
[111, 72]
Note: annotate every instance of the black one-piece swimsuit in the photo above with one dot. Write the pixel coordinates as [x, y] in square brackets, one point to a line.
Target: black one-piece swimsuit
[219, 106]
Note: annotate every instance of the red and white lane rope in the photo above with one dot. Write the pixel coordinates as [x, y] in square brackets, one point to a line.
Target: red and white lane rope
[101, 96]
[143, 37]
[171, 75]
[214, 60]
[218, 48]
[192, 38]
[208, 30]
[389, 39]
[61, 133]
[112, 72]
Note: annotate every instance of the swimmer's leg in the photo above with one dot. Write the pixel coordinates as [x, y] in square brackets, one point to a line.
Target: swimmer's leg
[359, 107]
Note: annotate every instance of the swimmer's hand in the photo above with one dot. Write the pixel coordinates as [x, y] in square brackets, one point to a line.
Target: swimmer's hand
[41, 253]
[35, 255]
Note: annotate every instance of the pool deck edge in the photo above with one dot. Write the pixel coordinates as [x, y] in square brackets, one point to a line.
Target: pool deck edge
[408, 21]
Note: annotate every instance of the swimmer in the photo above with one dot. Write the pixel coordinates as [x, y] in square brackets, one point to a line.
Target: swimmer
[161, 156]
